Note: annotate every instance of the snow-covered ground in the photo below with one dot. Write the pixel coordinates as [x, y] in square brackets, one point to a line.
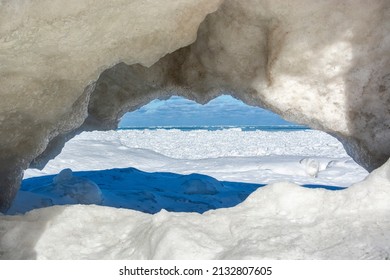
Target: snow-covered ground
[206, 169]
[303, 157]
[152, 169]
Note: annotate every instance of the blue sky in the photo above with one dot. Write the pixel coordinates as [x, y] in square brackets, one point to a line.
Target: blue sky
[178, 111]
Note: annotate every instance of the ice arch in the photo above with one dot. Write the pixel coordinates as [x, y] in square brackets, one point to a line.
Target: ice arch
[321, 63]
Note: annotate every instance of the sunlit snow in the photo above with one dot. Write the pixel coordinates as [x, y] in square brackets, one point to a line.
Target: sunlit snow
[196, 171]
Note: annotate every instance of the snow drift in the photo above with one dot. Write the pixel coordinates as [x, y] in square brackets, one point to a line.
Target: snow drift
[279, 221]
[183, 171]
[325, 64]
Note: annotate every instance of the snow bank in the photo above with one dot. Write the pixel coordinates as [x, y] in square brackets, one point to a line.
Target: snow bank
[279, 221]
[261, 157]
[175, 172]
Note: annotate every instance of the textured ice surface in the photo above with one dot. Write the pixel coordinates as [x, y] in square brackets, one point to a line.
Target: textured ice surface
[258, 157]
[279, 221]
[227, 155]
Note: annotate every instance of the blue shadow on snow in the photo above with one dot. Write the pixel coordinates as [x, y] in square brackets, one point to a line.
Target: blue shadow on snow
[150, 192]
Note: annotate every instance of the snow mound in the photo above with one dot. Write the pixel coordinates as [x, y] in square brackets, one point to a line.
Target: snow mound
[76, 189]
[261, 157]
[279, 221]
[200, 185]
[311, 165]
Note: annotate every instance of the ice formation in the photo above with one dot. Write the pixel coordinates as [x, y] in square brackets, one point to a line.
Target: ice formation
[79, 66]
[278, 221]
[185, 171]
[312, 166]
[75, 189]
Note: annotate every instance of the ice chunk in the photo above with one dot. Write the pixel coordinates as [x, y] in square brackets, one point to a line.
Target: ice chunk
[76, 189]
[311, 165]
[64, 175]
[200, 185]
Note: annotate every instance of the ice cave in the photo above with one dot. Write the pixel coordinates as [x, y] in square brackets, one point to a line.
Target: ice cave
[65, 69]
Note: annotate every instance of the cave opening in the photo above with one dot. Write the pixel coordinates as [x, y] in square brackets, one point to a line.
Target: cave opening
[321, 63]
[178, 155]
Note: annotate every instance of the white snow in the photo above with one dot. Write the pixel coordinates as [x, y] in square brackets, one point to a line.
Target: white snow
[231, 155]
[279, 221]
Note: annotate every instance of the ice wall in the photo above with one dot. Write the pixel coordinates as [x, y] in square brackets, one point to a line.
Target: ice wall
[53, 51]
[321, 63]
